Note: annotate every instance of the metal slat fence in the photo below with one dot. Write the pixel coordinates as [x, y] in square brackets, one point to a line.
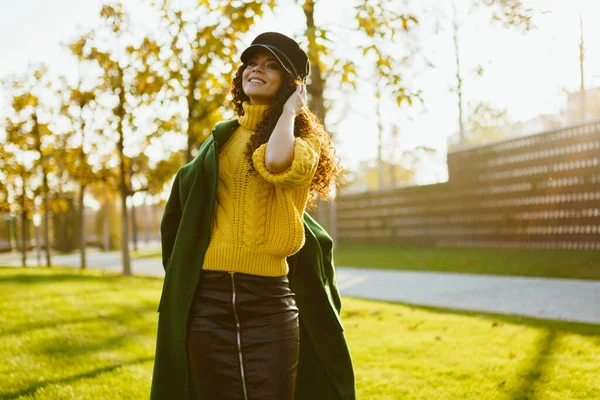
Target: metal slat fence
[540, 191]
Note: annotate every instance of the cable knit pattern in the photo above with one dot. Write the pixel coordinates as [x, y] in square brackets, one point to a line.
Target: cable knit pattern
[257, 221]
[302, 170]
[226, 192]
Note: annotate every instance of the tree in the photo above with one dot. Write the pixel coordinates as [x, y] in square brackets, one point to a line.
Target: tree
[378, 23]
[199, 50]
[388, 75]
[4, 191]
[150, 177]
[399, 168]
[107, 224]
[486, 123]
[393, 174]
[80, 108]
[18, 191]
[381, 23]
[27, 128]
[129, 79]
[582, 81]
[510, 13]
[459, 78]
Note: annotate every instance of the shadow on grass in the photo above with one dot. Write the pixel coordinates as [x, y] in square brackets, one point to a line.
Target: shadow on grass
[37, 326]
[536, 366]
[77, 343]
[148, 307]
[91, 374]
[75, 346]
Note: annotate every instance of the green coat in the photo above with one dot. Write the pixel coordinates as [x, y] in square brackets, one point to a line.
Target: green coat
[325, 367]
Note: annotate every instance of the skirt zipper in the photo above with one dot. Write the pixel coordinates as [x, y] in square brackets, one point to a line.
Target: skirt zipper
[239, 337]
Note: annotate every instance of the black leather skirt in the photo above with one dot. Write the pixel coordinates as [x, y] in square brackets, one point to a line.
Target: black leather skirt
[243, 337]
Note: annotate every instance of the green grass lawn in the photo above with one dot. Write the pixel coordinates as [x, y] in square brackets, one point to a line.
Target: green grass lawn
[67, 334]
[91, 335]
[584, 264]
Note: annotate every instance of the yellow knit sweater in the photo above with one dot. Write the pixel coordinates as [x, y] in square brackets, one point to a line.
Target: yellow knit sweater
[257, 221]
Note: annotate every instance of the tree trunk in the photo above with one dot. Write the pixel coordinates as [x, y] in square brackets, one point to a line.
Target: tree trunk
[191, 104]
[38, 148]
[146, 221]
[9, 234]
[38, 247]
[125, 234]
[24, 236]
[82, 228]
[392, 155]
[47, 219]
[123, 185]
[380, 165]
[24, 227]
[316, 102]
[82, 158]
[134, 226]
[459, 79]
[106, 226]
[317, 86]
[333, 216]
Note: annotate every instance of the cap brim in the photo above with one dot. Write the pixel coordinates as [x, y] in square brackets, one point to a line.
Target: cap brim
[251, 48]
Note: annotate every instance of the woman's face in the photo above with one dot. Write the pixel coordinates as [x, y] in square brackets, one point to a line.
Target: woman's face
[262, 77]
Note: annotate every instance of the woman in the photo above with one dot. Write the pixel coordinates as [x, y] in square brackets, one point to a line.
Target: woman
[237, 214]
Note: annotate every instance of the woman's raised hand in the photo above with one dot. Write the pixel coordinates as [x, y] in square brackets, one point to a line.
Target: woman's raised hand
[297, 100]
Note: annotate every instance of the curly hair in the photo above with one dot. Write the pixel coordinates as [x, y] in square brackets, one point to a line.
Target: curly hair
[306, 123]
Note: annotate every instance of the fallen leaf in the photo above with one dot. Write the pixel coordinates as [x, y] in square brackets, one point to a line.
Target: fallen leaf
[501, 384]
[438, 338]
[414, 327]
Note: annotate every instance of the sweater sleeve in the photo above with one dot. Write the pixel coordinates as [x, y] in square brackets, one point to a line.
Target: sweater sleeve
[303, 168]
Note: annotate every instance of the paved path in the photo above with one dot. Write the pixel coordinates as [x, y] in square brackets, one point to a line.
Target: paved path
[564, 299]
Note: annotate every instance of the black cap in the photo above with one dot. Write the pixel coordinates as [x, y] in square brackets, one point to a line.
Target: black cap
[285, 49]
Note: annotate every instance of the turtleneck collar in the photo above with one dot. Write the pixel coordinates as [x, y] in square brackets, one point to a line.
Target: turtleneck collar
[253, 114]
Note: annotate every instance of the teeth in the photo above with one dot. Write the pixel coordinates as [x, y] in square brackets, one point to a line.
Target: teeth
[256, 80]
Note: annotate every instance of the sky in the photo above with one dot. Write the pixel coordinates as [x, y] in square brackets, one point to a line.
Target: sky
[526, 74]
